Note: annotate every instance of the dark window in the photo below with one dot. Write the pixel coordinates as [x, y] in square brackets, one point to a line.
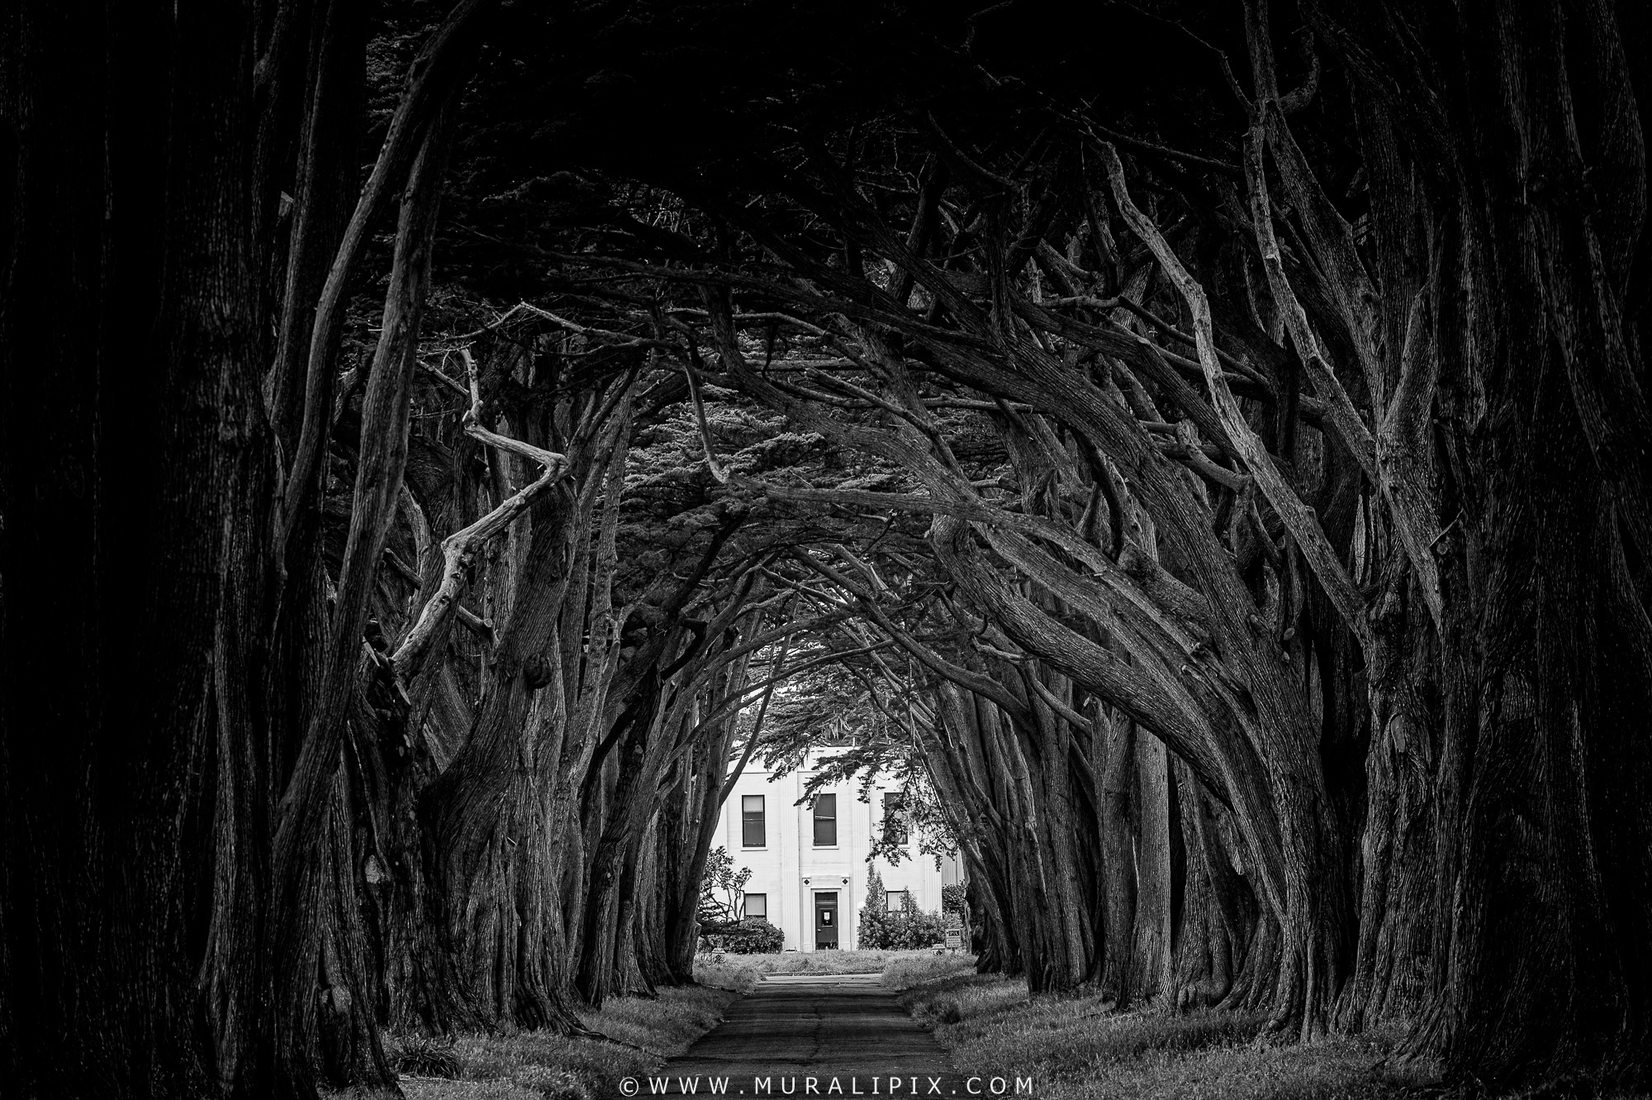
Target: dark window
[897, 900]
[751, 820]
[894, 819]
[757, 905]
[825, 821]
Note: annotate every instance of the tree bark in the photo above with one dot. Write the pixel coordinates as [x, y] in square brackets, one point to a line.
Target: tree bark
[130, 440]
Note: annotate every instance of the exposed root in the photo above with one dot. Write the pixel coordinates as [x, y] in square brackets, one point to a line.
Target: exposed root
[584, 1032]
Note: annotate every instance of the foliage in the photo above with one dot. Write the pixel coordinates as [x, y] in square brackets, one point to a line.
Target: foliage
[873, 929]
[906, 929]
[872, 747]
[750, 936]
[721, 875]
[899, 969]
[914, 927]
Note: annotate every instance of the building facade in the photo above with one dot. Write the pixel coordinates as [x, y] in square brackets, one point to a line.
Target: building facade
[808, 862]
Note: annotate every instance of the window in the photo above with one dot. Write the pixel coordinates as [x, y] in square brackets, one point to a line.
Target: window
[897, 899]
[751, 821]
[757, 905]
[894, 819]
[826, 821]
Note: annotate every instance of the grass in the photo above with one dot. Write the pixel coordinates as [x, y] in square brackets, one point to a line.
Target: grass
[919, 967]
[1077, 1048]
[743, 971]
[543, 1066]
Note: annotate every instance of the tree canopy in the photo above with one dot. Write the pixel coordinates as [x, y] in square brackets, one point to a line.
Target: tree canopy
[1201, 448]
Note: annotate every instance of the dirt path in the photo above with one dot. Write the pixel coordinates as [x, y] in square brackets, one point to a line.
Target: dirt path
[809, 1035]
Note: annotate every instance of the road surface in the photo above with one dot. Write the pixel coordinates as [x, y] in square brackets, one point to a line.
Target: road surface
[815, 1035]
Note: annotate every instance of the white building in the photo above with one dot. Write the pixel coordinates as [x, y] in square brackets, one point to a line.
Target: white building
[808, 863]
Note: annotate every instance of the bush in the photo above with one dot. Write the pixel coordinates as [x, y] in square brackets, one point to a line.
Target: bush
[905, 930]
[757, 936]
[751, 936]
[918, 929]
[876, 922]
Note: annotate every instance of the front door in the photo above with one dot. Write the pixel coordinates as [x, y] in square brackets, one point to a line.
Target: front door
[825, 920]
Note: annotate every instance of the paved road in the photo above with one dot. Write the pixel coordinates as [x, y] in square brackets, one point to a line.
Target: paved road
[846, 1032]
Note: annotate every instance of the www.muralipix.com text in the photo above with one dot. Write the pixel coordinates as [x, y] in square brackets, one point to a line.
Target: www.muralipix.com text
[891, 1086]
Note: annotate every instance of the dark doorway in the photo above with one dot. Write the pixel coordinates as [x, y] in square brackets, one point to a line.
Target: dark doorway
[825, 920]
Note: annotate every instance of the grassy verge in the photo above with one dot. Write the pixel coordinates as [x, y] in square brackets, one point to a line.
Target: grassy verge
[542, 1066]
[1077, 1048]
[921, 968]
[743, 971]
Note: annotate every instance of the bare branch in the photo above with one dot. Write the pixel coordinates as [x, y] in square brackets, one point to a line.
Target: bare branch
[459, 549]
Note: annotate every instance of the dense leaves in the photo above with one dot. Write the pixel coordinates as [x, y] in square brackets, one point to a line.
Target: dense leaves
[903, 928]
[746, 936]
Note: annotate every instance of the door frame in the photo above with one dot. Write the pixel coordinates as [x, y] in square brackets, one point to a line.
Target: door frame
[814, 915]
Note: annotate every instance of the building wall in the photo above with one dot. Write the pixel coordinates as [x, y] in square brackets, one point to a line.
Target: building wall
[789, 869]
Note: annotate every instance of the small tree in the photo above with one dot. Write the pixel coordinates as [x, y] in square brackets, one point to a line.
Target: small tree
[721, 876]
[914, 928]
[876, 924]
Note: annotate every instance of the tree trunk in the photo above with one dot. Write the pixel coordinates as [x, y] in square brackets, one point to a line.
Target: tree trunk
[607, 893]
[129, 425]
[490, 815]
[1118, 856]
[1392, 971]
[1149, 973]
[1218, 912]
[1540, 199]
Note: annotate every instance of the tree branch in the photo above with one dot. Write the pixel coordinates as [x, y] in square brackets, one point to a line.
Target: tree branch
[459, 549]
[1298, 518]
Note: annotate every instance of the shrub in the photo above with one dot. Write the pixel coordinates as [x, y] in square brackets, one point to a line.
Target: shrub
[751, 936]
[757, 937]
[911, 927]
[918, 929]
[876, 930]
